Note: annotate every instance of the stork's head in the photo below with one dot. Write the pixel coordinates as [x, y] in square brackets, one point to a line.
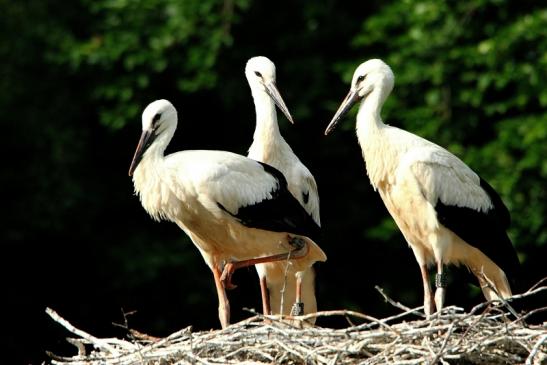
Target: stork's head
[260, 73]
[159, 120]
[372, 76]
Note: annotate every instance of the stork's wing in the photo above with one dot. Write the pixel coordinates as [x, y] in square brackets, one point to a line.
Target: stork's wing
[306, 192]
[466, 204]
[280, 213]
[252, 192]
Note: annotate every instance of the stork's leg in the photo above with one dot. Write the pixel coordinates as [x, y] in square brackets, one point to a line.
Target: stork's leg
[266, 308]
[429, 304]
[223, 303]
[441, 281]
[298, 306]
[300, 251]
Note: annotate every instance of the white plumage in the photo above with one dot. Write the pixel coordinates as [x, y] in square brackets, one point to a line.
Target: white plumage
[269, 147]
[233, 208]
[445, 211]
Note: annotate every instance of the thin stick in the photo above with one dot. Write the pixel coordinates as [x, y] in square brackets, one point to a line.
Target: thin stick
[535, 349]
[528, 293]
[492, 287]
[79, 345]
[443, 346]
[344, 312]
[537, 284]
[531, 313]
[399, 305]
[97, 342]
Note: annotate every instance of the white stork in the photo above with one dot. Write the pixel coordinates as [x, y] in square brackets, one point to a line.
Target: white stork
[237, 211]
[445, 211]
[269, 147]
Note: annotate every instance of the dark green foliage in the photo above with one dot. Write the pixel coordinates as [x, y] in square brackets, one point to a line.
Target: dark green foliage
[133, 47]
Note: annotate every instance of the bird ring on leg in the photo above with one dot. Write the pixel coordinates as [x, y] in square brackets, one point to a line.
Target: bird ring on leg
[297, 309]
[441, 280]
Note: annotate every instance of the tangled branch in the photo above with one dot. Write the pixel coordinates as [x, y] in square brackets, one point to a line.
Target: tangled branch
[488, 334]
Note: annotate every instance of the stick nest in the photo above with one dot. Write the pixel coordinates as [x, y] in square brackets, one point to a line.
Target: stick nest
[491, 333]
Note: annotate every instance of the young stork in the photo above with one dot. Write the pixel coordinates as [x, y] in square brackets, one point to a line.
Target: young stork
[237, 211]
[269, 147]
[446, 212]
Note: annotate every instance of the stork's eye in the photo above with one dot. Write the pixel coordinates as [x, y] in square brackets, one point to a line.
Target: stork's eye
[360, 78]
[156, 117]
[258, 74]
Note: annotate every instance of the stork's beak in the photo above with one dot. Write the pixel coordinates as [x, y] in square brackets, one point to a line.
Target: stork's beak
[147, 137]
[349, 101]
[271, 89]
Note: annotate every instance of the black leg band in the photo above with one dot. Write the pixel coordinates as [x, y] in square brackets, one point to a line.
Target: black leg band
[297, 309]
[441, 280]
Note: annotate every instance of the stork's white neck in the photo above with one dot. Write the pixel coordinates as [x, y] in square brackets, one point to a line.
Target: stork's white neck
[156, 150]
[268, 144]
[147, 176]
[378, 153]
[368, 117]
[266, 117]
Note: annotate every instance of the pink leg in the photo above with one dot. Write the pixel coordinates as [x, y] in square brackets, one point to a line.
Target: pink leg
[298, 306]
[266, 309]
[440, 283]
[230, 267]
[429, 304]
[223, 303]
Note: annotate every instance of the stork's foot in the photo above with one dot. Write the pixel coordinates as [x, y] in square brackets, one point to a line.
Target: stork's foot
[297, 242]
[297, 309]
[301, 250]
[226, 277]
[301, 247]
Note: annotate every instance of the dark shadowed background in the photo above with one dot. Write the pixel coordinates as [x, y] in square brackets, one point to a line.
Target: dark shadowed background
[75, 76]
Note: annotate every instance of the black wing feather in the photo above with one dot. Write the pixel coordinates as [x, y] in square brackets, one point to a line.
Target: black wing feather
[484, 230]
[281, 213]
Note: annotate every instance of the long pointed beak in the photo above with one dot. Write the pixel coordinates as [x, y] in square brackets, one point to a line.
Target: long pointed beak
[349, 101]
[144, 142]
[271, 89]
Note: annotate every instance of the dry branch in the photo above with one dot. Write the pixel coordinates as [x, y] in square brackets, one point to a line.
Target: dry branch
[485, 335]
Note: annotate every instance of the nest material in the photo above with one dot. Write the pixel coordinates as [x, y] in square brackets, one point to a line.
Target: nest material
[491, 333]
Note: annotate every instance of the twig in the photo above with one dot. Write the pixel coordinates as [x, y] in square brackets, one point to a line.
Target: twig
[533, 287]
[528, 293]
[399, 305]
[344, 312]
[97, 342]
[500, 298]
[535, 349]
[530, 313]
[443, 346]
[79, 345]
